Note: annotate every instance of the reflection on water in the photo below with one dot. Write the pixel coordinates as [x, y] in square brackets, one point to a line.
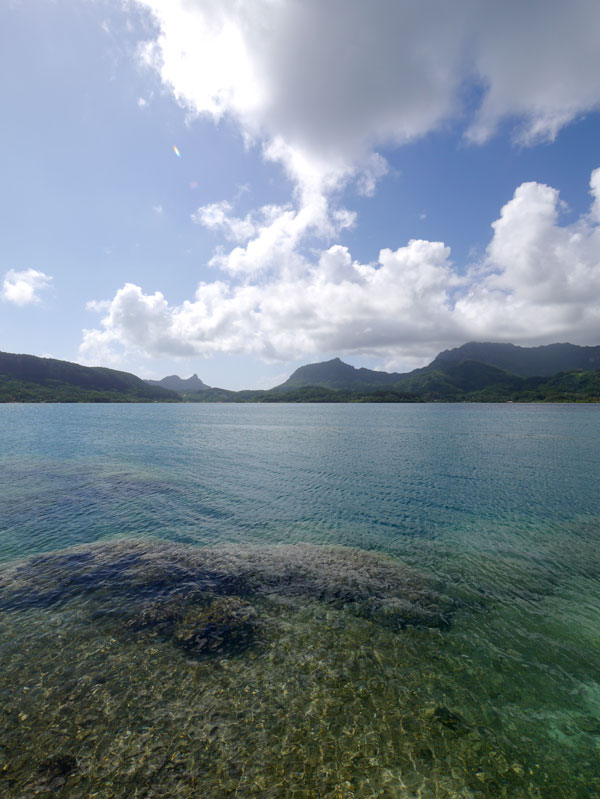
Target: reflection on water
[448, 649]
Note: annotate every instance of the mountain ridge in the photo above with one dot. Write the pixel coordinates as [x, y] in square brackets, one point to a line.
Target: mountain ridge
[29, 378]
[542, 361]
[337, 374]
[451, 377]
[179, 384]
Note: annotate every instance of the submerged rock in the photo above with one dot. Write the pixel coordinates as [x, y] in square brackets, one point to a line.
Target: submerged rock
[225, 626]
[199, 624]
[154, 582]
[588, 724]
[447, 718]
[53, 772]
[158, 616]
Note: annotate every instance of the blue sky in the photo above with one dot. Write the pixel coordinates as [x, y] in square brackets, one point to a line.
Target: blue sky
[375, 181]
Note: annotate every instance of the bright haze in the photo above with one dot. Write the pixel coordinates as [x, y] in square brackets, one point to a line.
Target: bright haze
[234, 188]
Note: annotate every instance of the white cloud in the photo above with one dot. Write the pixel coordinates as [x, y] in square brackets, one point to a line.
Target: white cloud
[22, 288]
[272, 235]
[538, 63]
[322, 84]
[538, 282]
[217, 216]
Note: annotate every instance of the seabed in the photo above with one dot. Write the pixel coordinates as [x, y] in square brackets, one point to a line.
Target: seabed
[144, 669]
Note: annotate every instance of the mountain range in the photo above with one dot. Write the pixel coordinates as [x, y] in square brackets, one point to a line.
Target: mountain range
[476, 371]
[473, 367]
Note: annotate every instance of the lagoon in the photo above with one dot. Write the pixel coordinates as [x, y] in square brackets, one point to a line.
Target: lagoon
[414, 592]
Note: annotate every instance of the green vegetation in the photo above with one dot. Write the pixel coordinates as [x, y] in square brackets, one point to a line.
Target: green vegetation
[26, 378]
[336, 374]
[544, 361]
[304, 394]
[475, 382]
[465, 382]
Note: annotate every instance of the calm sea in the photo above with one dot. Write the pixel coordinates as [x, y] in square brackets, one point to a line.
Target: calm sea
[419, 589]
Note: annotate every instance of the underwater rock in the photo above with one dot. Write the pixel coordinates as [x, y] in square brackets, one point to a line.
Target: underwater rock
[396, 613]
[150, 574]
[447, 718]
[159, 616]
[53, 772]
[225, 626]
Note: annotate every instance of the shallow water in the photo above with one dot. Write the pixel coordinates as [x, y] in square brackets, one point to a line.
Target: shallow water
[406, 600]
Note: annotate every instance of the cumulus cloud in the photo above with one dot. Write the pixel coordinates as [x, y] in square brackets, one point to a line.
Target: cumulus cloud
[323, 84]
[272, 235]
[538, 282]
[320, 87]
[538, 63]
[23, 288]
[217, 216]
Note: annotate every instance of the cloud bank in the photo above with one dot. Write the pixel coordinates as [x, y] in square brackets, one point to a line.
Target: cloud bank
[538, 282]
[23, 288]
[320, 84]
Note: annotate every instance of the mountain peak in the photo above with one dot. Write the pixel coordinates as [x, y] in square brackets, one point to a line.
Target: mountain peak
[337, 374]
[176, 383]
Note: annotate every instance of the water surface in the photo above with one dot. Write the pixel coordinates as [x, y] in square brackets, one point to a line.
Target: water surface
[470, 670]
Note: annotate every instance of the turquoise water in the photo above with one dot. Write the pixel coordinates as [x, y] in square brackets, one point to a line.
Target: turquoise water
[407, 600]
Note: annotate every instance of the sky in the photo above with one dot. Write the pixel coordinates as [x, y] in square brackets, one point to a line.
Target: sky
[238, 187]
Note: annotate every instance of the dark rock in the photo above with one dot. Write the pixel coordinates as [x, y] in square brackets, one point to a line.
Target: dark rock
[447, 718]
[53, 772]
[58, 766]
[151, 584]
[158, 615]
[224, 626]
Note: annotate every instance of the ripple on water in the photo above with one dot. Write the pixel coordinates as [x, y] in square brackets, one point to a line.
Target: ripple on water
[143, 668]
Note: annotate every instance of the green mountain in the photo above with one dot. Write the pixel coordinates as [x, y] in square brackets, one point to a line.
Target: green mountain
[176, 383]
[442, 371]
[465, 380]
[552, 373]
[574, 386]
[304, 394]
[27, 378]
[543, 361]
[338, 375]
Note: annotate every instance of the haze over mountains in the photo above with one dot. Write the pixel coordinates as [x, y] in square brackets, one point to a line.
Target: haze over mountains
[483, 372]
